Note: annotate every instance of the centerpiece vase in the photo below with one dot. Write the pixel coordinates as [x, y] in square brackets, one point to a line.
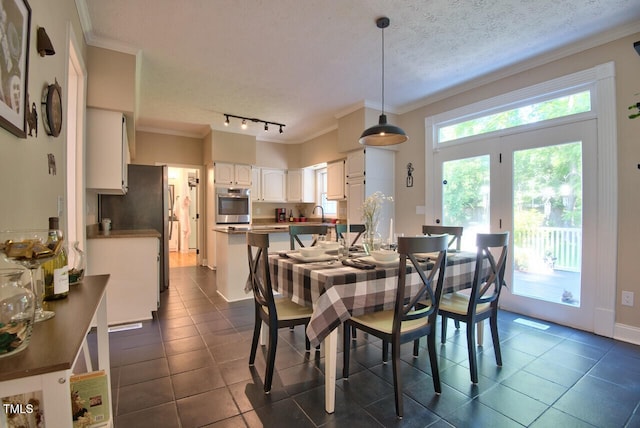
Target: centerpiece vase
[372, 239]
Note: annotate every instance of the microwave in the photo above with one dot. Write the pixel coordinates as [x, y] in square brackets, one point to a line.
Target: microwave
[233, 205]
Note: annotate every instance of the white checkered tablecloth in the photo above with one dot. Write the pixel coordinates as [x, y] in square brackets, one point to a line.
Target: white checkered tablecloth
[337, 292]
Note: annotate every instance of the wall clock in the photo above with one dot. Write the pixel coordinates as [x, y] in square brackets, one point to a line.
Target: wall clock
[52, 109]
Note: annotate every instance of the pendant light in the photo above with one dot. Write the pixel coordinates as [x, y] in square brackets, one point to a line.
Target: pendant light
[383, 134]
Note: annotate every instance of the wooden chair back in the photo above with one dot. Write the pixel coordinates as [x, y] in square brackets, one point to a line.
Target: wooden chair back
[310, 229]
[341, 229]
[491, 262]
[455, 233]
[258, 256]
[425, 302]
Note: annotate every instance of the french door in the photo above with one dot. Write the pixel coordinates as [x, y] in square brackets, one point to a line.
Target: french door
[540, 185]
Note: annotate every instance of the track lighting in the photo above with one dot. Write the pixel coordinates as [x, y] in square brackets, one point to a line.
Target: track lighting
[244, 124]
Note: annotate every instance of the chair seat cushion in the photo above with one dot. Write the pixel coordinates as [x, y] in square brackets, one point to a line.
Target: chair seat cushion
[383, 321]
[287, 310]
[458, 303]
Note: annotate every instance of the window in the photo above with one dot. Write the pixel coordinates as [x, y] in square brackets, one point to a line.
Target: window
[330, 207]
[567, 105]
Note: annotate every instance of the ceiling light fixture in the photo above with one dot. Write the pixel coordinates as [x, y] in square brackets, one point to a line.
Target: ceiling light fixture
[383, 134]
[253, 119]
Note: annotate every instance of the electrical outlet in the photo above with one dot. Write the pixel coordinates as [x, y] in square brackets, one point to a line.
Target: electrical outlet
[627, 298]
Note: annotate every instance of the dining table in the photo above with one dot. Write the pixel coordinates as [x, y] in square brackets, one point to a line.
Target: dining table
[337, 291]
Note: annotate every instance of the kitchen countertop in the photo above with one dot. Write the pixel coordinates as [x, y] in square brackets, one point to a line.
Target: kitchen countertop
[137, 233]
[269, 228]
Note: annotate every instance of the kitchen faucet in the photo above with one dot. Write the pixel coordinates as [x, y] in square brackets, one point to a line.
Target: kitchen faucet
[321, 210]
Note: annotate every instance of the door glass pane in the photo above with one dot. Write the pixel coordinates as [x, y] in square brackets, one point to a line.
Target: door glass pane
[547, 235]
[465, 197]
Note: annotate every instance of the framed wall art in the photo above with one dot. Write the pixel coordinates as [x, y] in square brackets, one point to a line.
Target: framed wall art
[15, 29]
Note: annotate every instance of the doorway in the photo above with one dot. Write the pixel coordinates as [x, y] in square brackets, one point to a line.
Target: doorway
[531, 184]
[184, 224]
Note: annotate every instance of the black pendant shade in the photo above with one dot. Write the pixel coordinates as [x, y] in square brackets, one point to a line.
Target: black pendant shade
[383, 134]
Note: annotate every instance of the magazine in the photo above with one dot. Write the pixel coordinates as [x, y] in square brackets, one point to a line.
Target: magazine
[90, 405]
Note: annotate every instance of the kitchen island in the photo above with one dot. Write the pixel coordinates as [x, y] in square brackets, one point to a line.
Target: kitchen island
[132, 258]
[232, 267]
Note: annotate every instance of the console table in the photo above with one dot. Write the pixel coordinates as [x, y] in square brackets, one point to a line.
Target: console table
[55, 345]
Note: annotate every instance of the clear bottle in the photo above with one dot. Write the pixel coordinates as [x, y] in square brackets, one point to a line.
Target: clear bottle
[76, 273]
[56, 271]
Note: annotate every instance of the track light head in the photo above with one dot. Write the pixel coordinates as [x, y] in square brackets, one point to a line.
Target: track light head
[266, 127]
[226, 120]
[281, 131]
[244, 124]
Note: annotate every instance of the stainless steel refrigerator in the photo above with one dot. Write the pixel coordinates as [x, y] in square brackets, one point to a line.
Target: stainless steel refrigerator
[145, 206]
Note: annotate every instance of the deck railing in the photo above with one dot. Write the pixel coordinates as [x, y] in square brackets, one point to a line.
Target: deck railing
[558, 246]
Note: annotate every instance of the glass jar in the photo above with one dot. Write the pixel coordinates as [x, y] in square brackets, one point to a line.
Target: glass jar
[79, 261]
[17, 309]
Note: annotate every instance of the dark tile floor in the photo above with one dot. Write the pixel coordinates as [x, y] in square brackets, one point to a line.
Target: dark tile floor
[189, 368]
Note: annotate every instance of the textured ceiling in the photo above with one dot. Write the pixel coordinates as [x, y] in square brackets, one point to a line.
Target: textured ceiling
[304, 63]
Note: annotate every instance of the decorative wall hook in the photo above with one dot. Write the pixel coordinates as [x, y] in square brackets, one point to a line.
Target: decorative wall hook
[44, 45]
[409, 174]
[637, 113]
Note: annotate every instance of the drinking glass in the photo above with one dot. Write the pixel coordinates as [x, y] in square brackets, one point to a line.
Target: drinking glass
[32, 263]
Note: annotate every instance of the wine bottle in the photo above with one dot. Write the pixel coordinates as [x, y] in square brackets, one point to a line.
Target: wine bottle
[56, 270]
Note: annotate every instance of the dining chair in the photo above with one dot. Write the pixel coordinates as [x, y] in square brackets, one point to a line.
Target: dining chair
[274, 313]
[309, 229]
[455, 232]
[482, 302]
[413, 316]
[341, 229]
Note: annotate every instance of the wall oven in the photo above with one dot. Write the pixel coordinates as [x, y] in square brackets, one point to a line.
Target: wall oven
[233, 205]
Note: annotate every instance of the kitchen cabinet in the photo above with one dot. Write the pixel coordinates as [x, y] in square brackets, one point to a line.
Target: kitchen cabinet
[273, 185]
[256, 184]
[355, 164]
[335, 181]
[370, 170]
[301, 185]
[134, 266]
[232, 174]
[107, 151]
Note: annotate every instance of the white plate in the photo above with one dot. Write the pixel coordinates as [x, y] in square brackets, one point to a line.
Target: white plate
[321, 258]
[370, 259]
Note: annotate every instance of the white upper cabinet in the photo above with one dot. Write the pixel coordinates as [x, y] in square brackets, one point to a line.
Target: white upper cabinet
[335, 181]
[256, 184]
[370, 170]
[274, 185]
[355, 165]
[301, 185]
[232, 174]
[243, 175]
[107, 151]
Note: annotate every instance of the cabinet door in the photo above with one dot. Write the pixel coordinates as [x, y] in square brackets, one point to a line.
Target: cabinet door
[256, 184]
[274, 185]
[308, 185]
[355, 165]
[224, 173]
[243, 175]
[356, 191]
[335, 180]
[294, 185]
[107, 151]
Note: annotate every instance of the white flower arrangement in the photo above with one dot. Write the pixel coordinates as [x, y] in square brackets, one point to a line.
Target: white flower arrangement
[372, 209]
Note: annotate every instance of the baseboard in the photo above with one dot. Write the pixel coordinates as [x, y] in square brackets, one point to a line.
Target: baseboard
[627, 333]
